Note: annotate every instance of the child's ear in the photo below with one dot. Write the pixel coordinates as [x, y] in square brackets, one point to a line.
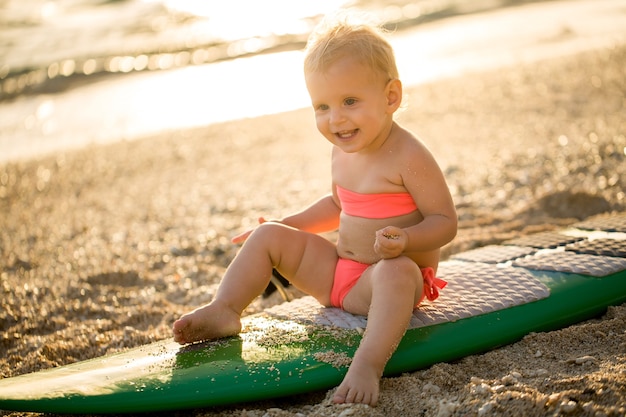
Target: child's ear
[394, 94]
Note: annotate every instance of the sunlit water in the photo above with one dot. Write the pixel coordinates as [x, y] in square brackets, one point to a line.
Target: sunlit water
[36, 33]
[140, 103]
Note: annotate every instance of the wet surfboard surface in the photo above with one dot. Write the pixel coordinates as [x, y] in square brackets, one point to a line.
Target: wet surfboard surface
[495, 295]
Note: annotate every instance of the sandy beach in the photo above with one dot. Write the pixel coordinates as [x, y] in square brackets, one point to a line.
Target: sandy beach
[104, 247]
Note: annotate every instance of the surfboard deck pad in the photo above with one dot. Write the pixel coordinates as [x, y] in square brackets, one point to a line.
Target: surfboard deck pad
[495, 295]
[473, 289]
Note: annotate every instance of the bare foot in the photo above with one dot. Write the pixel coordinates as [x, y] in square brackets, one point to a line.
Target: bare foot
[360, 385]
[213, 321]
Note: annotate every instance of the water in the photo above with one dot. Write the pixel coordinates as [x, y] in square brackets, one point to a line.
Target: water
[74, 72]
[37, 33]
[47, 44]
[82, 71]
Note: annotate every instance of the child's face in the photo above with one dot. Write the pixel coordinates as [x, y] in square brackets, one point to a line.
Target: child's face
[352, 105]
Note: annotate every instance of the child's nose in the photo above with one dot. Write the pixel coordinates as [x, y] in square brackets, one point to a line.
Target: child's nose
[336, 116]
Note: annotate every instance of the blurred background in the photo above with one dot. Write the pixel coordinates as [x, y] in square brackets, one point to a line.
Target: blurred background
[74, 72]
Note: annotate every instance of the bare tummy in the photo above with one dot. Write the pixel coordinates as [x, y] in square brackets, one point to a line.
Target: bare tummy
[357, 235]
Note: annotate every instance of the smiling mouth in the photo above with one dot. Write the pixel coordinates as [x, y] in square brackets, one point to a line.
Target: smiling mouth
[346, 134]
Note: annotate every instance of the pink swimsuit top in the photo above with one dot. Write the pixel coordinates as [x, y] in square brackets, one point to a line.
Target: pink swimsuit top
[375, 206]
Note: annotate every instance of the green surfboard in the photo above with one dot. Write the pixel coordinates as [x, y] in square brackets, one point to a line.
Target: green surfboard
[495, 295]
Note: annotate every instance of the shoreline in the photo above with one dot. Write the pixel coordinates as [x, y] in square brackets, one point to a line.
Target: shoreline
[103, 247]
[40, 77]
[147, 103]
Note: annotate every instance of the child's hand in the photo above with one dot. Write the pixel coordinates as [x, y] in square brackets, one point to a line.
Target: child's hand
[240, 238]
[390, 242]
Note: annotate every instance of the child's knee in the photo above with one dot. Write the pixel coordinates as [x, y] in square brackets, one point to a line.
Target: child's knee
[276, 238]
[402, 265]
[268, 230]
[402, 272]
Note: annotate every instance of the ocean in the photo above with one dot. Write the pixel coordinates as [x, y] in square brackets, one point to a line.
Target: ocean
[74, 72]
[46, 46]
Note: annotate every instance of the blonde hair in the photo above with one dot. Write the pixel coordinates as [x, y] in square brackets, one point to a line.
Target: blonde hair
[349, 35]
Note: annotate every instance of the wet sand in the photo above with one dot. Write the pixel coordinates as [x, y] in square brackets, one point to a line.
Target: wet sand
[104, 247]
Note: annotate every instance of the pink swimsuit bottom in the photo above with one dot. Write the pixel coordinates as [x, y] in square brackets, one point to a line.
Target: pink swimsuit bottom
[348, 272]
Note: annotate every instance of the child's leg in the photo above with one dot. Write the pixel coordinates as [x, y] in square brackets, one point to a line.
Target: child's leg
[307, 260]
[387, 293]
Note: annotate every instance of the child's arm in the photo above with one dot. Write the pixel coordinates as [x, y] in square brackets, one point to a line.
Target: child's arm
[321, 216]
[432, 233]
[424, 180]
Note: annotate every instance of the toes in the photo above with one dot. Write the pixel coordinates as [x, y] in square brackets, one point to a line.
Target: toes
[178, 329]
[352, 396]
[340, 396]
[357, 397]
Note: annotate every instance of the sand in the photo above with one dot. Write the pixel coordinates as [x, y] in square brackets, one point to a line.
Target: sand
[104, 247]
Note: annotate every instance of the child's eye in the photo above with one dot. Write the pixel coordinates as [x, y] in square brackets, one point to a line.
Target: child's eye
[350, 101]
[322, 107]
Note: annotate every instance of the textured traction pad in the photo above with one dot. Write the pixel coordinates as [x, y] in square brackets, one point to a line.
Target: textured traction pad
[604, 247]
[473, 289]
[595, 266]
[494, 254]
[544, 240]
[610, 223]
[495, 277]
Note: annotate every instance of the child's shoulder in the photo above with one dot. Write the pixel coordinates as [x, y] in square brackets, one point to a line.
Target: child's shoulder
[407, 142]
[411, 152]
